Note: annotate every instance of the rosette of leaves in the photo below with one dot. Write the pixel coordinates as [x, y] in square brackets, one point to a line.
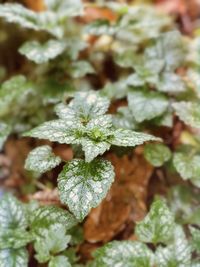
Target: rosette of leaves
[83, 183]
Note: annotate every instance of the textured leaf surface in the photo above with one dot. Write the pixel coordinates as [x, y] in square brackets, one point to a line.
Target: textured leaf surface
[15, 239]
[59, 261]
[83, 185]
[65, 8]
[158, 225]
[42, 159]
[146, 105]
[176, 254]
[171, 83]
[80, 68]
[195, 238]
[13, 258]
[188, 112]
[124, 253]
[12, 213]
[124, 137]
[41, 53]
[157, 154]
[5, 130]
[46, 216]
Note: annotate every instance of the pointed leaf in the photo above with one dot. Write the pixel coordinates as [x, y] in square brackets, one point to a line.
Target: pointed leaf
[42, 159]
[83, 185]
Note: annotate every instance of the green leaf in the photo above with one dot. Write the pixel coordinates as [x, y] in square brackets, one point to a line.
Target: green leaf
[80, 68]
[44, 217]
[42, 159]
[124, 119]
[123, 253]
[84, 107]
[157, 154]
[158, 225]
[83, 185]
[53, 241]
[195, 238]
[14, 257]
[12, 213]
[171, 83]
[122, 137]
[188, 112]
[42, 53]
[43, 21]
[100, 27]
[146, 105]
[59, 261]
[64, 8]
[176, 254]
[61, 131]
[15, 238]
[5, 130]
[188, 167]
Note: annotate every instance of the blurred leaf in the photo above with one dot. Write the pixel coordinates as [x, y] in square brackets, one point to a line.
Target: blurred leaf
[157, 154]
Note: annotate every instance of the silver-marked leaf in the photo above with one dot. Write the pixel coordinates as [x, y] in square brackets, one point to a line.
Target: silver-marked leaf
[46, 216]
[123, 253]
[157, 154]
[61, 131]
[146, 105]
[47, 21]
[83, 107]
[12, 213]
[42, 53]
[176, 254]
[80, 68]
[64, 8]
[14, 238]
[187, 167]
[5, 130]
[188, 112]
[42, 159]
[124, 119]
[101, 27]
[158, 225]
[14, 257]
[123, 137]
[171, 83]
[83, 185]
[59, 261]
[195, 232]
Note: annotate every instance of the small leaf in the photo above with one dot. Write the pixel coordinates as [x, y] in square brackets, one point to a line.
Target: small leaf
[188, 112]
[5, 130]
[59, 261]
[146, 105]
[176, 254]
[187, 167]
[15, 238]
[157, 154]
[44, 217]
[195, 238]
[123, 253]
[100, 27]
[64, 8]
[12, 213]
[171, 83]
[42, 159]
[79, 69]
[83, 185]
[42, 53]
[158, 225]
[122, 137]
[14, 257]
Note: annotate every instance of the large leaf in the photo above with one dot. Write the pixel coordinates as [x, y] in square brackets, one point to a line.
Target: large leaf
[12, 213]
[171, 83]
[123, 253]
[157, 154]
[14, 258]
[42, 53]
[158, 225]
[188, 112]
[83, 185]
[122, 137]
[42, 159]
[146, 105]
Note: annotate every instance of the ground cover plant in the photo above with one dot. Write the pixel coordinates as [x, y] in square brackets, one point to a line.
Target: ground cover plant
[100, 147]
